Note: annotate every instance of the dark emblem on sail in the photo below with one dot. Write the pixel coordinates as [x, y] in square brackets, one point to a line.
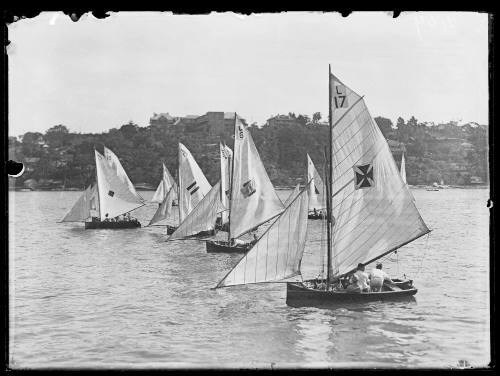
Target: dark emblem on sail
[111, 193]
[240, 132]
[316, 190]
[192, 188]
[363, 176]
[248, 188]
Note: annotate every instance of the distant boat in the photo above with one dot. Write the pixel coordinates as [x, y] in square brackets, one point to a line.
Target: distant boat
[433, 187]
[317, 203]
[252, 199]
[373, 211]
[192, 193]
[112, 195]
[164, 186]
[403, 174]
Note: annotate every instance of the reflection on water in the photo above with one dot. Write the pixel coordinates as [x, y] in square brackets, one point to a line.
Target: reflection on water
[111, 298]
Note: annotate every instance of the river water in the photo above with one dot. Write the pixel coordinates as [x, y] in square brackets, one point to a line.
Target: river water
[125, 299]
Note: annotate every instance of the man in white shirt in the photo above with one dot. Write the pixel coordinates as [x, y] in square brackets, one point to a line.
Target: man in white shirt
[377, 278]
[362, 278]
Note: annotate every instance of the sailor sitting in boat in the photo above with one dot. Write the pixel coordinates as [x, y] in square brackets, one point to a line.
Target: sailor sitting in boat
[377, 278]
[361, 279]
[237, 241]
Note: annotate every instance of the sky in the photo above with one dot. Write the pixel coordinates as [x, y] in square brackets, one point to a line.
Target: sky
[97, 74]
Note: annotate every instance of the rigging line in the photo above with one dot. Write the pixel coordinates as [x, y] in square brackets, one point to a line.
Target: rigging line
[373, 234]
[396, 247]
[425, 252]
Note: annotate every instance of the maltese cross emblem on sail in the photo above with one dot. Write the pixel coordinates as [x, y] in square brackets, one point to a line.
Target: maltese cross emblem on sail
[363, 176]
[248, 188]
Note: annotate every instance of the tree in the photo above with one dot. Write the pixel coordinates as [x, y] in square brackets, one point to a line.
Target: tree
[384, 124]
[316, 117]
[57, 136]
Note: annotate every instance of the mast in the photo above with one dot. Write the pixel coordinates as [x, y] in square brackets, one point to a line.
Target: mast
[329, 174]
[231, 185]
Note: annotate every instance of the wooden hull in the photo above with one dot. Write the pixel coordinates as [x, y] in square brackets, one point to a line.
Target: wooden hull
[214, 246]
[298, 294]
[111, 225]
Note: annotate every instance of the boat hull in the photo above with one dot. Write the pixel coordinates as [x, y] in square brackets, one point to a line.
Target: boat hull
[214, 246]
[315, 216]
[111, 225]
[299, 294]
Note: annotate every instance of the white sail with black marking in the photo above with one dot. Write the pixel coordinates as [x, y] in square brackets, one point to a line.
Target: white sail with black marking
[316, 188]
[115, 196]
[81, 209]
[373, 210]
[202, 217]
[193, 185]
[277, 254]
[165, 209]
[226, 160]
[163, 188]
[253, 198]
[115, 164]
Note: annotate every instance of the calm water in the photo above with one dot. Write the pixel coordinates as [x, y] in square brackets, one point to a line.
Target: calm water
[104, 298]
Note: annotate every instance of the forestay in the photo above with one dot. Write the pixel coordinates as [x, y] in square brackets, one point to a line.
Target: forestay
[226, 158]
[253, 198]
[373, 209]
[202, 217]
[165, 208]
[115, 197]
[294, 194]
[115, 164]
[277, 254]
[193, 185]
[316, 188]
[81, 209]
[166, 183]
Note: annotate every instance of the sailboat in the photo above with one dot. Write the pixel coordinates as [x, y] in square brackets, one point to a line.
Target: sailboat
[226, 160]
[370, 214]
[163, 188]
[192, 187]
[252, 200]
[112, 195]
[316, 192]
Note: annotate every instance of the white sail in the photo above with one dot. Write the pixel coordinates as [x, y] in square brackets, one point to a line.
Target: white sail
[294, 194]
[193, 185]
[403, 168]
[94, 200]
[202, 217]
[115, 197]
[166, 183]
[373, 210]
[115, 164]
[253, 198]
[277, 254]
[165, 208]
[316, 188]
[81, 209]
[226, 159]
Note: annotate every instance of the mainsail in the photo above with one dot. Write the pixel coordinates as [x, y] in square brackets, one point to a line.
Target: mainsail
[253, 198]
[373, 209]
[115, 196]
[165, 208]
[193, 185]
[226, 159]
[316, 188]
[166, 183]
[403, 168]
[115, 164]
[277, 254]
[202, 217]
[81, 209]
